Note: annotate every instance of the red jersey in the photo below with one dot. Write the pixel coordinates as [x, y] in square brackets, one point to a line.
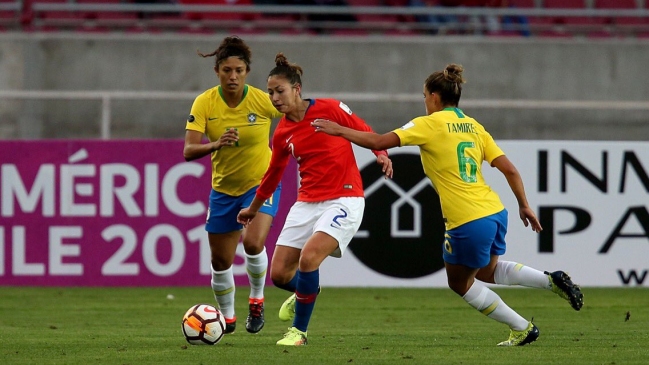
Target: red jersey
[326, 164]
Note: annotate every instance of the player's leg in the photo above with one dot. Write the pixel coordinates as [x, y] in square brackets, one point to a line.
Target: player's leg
[254, 239]
[467, 251]
[223, 247]
[283, 272]
[514, 273]
[223, 234]
[487, 302]
[317, 248]
[336, 223]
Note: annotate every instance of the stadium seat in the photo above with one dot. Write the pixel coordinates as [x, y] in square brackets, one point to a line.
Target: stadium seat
[522, 3]
[537, 23]
[297, 32]
[578, 23]
[564, 4]
[382, 18]
[218, 15]
[350, 32]
[400, 32]
[10, 18]
[365, 2]
[623, 22]
[54, 19]
[615, 4]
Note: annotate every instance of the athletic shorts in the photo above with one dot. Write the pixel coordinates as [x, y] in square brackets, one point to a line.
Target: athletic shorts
[340, 218]
[472, 244]
[223, 209]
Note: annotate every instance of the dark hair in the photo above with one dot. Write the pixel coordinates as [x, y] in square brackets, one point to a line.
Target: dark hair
[231, 47]
[290, 71]
[447, 84]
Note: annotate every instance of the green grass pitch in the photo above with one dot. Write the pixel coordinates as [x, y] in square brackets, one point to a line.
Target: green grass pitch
[349, 326]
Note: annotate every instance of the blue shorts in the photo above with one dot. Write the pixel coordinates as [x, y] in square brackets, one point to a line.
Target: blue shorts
[223, 209]
[472, 244]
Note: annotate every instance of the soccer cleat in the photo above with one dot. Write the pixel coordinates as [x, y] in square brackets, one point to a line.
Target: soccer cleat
[230, 324]
[566, 289]
[287, 310]
[520, 338]
[294, 337]
[255, 320]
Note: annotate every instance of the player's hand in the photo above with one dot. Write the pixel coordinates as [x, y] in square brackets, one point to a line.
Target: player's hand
[246, 216]
[327, 126]
[386, 165]
[529, 218]
[229, 138]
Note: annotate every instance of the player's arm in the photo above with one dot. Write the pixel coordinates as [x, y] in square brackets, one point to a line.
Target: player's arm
[265, 190]
[195, 148]
[270, 181]
[507, 168]
[365, 139]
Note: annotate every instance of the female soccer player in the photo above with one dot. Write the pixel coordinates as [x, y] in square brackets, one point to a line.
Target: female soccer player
[330, 201]
[236, 118]
[453, 147]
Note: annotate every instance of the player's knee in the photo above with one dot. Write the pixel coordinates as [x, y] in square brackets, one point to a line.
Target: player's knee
[458, 286]
[253, 246]
[280, 279]
[486, 275]
[309, 262]
[220, 262]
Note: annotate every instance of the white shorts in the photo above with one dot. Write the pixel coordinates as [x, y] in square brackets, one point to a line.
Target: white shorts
[340, 218]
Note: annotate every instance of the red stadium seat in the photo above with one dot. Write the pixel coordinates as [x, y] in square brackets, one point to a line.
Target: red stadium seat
[523, 3]
[615, 4]
[365, 2]
[58, 18]
[218, 15]
[564, 4]
[587, 23]
[350, 32]
[621, 4]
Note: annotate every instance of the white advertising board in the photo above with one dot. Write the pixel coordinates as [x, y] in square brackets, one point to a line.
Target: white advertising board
[592, 199]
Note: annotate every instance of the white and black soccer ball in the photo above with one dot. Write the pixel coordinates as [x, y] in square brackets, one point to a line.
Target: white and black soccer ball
[203, 324]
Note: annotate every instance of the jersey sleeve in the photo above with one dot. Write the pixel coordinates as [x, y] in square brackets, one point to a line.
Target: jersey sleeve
[414, 133]
[197, 119]
[491, 149]
[344, 115]
[272, 177]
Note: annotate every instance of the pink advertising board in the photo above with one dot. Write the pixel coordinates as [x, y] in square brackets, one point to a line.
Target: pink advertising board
[109, 213]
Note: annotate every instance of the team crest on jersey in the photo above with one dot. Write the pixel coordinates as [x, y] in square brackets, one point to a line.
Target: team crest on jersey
[344, 107]
[252, 118]
[190, 119]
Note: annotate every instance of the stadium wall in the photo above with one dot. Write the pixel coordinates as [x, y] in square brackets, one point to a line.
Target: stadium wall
[609, 71]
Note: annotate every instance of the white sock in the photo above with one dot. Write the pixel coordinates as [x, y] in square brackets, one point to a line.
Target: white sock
[223, 287]
[489, 303]
[256, 266]
[513, 273]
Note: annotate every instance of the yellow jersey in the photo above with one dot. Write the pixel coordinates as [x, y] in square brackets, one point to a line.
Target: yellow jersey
[236, 169]
[453, 147]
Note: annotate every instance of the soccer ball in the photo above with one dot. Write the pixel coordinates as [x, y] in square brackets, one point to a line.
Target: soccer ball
[203, 325]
